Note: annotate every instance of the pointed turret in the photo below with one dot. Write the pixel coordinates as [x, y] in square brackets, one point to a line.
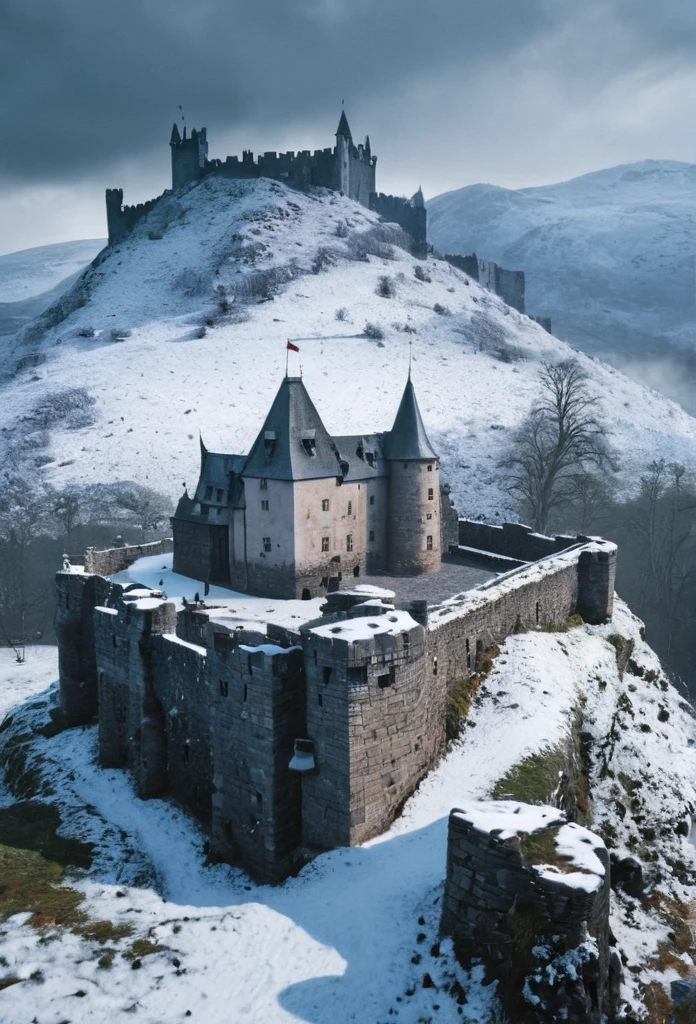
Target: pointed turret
[176, 138]
[417, 199]
[293, 443]
[343, 127]
[407, 438]
[414, 542]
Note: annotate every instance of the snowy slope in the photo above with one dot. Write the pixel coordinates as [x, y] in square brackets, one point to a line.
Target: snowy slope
[353, 936]
[31, 272]
[475, 370]
[609, 256]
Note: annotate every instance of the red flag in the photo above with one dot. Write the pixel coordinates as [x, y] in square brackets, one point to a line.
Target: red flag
[291, 347]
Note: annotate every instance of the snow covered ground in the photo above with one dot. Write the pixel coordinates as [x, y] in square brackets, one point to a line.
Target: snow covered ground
[353, 936]
[475, 363]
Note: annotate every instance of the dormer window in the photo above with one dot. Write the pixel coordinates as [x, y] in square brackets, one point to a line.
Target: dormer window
[219, 494]
[309, 441]
[269, 443]
[370, 456]
[208, 492]
[263, 484]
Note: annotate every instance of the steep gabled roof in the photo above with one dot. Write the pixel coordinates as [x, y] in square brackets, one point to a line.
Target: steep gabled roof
[407, 439]
[343, 127]
[293, 443]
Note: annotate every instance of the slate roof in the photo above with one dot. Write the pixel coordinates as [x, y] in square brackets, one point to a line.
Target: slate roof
[364, 454]
[293, 443]
[407, 439]
[343, 127]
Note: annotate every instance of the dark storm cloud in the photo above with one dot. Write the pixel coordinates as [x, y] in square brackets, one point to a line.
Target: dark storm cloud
[86, 82]
[83, 82]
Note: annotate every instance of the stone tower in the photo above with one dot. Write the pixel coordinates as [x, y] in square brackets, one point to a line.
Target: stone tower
[414, 492]
[344, 143]
[189, 156]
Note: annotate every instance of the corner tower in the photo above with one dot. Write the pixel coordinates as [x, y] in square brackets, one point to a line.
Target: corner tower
[413, 543]
[189, 156]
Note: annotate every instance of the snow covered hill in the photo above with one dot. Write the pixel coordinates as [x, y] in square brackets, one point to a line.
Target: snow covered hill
[182, 328]
[609, 256]
[31, 272]
[354, 938]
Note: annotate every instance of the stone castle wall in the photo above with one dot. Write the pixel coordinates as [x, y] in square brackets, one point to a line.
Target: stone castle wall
[211, 714]
[413, 219]
[113, 560]
[512, 540]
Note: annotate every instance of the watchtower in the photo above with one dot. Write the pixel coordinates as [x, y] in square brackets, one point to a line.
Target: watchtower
[189, 155]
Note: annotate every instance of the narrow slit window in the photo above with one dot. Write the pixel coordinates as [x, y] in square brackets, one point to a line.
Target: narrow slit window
[429, 542]
[350, 508]
[324, 543]
[349, 542]
[326, 673]
[372, 534]
[224, 687]
[267, 544]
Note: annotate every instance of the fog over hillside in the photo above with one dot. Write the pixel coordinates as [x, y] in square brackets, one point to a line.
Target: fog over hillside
[609, 256]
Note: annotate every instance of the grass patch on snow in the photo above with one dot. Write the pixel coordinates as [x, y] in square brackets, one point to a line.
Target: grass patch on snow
[534, 779]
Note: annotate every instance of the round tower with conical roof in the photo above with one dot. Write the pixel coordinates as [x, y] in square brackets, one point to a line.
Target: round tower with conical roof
[413, 531]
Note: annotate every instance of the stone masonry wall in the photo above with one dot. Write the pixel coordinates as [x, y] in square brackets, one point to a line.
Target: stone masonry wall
[499, 909]
[257, 712]
[180, 684]
[377, 728]
[77, 594]
[113, 560]
[511, 539]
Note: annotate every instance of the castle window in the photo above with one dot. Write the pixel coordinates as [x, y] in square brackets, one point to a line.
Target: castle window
[372, 534]
[387, 679]
[224, 687]
[430, 468]
[320, 700]
[219, 493]
[264, 506]
[468, 655]
[537, 612]
[405, 465]
[259, 801]
[349, 542]
[435, 665]
[67, 601]
[429, 515]
[431, 493]
[372, 499]
[326, 674]
[263, 484]
[370, 456]
[429, 542]
[267, 544]
[324, 543]
[309, 442]
[205, 509]
[350, 508]
[208, 492]
[187, 751]
[115, 642]
[325, 504]
[244, 696]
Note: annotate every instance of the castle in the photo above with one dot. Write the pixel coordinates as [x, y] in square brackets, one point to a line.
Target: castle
[345, 168]
[287, 740]
[304, 510]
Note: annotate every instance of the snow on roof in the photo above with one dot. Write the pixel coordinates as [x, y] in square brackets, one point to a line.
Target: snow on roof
[368, 588]
[364, 627]
[108, 611]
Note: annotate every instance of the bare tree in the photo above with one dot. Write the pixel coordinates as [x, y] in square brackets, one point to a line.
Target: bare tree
[144, 506]
[561, 437]
[70, 509]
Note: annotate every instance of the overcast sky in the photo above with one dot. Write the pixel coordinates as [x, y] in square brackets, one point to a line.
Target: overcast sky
[451, 92]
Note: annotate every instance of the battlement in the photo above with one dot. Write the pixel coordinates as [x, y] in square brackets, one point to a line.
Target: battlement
[410, 214]
[122, 219]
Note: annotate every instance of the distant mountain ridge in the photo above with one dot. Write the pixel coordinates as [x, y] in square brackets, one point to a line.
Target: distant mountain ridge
[609, 256]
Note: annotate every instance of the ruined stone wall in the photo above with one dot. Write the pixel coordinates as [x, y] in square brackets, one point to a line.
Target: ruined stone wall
[413, 219]
[180, 684]
[513, 540]
[377, 727]
[122, 219]
[500, 910]
[77, 594]
[113, 560]
[257, 712]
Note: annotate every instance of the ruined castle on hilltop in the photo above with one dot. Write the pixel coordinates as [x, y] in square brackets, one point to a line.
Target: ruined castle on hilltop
[347, 168]
[304, 510]
[285, 740]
